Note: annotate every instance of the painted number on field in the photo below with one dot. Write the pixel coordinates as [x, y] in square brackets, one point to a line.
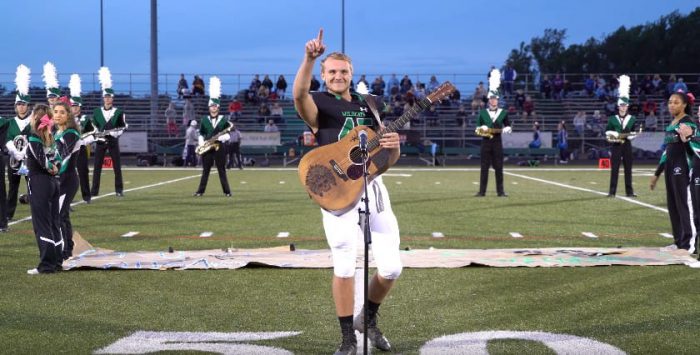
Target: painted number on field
[221, 343]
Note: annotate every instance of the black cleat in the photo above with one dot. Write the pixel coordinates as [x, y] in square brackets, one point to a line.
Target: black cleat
[502, 194]
[197, 194]
[228, 194]
[632, 195]
[119, 194]
[374, 335]
[480, 194]
[611, 195]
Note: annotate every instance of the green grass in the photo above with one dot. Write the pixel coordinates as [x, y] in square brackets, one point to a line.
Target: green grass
[637, 309]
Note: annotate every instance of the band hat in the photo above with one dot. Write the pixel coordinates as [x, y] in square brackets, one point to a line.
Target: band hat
[214, 91]
[22, 78]
[494, 84]
[105, 78]
[624, 90]
[51, 80]
[75, 87]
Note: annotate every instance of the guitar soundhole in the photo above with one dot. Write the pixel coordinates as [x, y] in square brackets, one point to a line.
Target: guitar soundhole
[319, 180]
[356, 156]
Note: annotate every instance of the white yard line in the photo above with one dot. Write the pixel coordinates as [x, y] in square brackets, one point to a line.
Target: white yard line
[112, 194]
[630, 200]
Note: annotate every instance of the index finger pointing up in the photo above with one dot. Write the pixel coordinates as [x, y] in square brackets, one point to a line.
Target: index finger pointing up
[320, 36]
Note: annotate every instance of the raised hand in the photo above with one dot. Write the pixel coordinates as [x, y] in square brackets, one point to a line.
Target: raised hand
[315, 47]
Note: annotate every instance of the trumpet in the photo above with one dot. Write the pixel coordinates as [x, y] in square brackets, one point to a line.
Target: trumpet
[213, 143]
[622, 137]
[21, 144]
[488, 133]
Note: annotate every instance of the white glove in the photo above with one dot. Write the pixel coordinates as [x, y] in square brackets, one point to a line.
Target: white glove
[613, 134]
[507, 130]
[483, 128]
[200, 140]
[18, 155]
[631, 137]
[224, 138]
[88, 140]
[115, 134]
[11, 147]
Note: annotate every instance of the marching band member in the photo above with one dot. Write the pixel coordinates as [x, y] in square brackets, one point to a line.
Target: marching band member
[68, 143]
[214, 125]
[111, 122]
[492, 118]
[43, 163]
[619, 132]
[53, 92]
[19, 126]
[85, 125]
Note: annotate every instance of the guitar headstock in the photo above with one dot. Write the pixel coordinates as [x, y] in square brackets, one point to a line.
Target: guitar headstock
[443, 91]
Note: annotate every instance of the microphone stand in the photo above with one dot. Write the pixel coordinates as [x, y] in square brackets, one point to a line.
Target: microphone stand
[364, 224]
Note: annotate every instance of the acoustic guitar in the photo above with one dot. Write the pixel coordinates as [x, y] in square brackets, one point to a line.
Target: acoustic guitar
[332, 174]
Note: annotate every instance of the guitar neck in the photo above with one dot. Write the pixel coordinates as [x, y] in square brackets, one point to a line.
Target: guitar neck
[396, 125]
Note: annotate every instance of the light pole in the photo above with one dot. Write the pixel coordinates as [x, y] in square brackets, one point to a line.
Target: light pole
[102, 36]
[342, 26]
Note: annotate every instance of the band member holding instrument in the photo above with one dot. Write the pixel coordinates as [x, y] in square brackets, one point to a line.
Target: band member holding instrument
[85, 127]
[112, 122]
[19, 126]
[212, 138]
[43, 163]
[68, 144]
[618, 132]
[330, 115]
[490, 123]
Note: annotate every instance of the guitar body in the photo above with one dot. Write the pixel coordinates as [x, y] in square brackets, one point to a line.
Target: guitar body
[333, 174]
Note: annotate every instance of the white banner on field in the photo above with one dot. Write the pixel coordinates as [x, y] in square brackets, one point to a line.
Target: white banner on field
[259, 139]
[523, 139]
[133, 142]
[649, 141]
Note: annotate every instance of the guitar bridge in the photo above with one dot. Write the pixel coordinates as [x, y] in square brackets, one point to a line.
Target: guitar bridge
[338, 170]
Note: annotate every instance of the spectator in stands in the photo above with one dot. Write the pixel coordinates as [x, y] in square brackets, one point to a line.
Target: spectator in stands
[410, 104]
[271, 126]
[363, 80]
[509, 76]
[234, 149]
[589, 85]
[580, 123]
[182, 88]
[562, 143]
[255, 84]
[187, 112]
[263, 93]
[315, 84]
[420, 92]
[433, 84]
[478, 98]
[670, 85]
[432, 116]
[546, 87]
[519, 100]
[528, 108]
[170, 114]
[647, 86]
[649, 106]
[456, 96]
[393, 85]
[536, 140]
[461, 116]
[651, 122]
[610, 107]
[235, 110]
[267, 82]
[557, 87]
[281, 87]
[406, 85]
[397, 111]
[602, 92]
[263, 112]
[191, 137]
[657, 83]
[378, 86]
[198, 86]
[276, 112]
[596, 123]
[680, 86]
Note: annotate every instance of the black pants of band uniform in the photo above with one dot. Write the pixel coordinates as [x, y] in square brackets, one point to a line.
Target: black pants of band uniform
[234, 152]
[491, 155]
[3, 192]
[68, 188]
[676, 175]
[83, 173]
[695, 190]
[43, 200]
[208, 160]
[13, 180]
[621, 152]
[111, 144]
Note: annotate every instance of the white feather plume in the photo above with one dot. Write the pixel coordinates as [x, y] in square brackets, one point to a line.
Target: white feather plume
[494, 80]
[214, 87]
[105, 78]
[74, 85]
[624, 89]
[50, 77]
[362, 88]
[22, 79]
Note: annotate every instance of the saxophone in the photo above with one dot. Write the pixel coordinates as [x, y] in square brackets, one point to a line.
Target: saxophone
[20, 142]
[488, 133]
[213, 143]
[623, 136]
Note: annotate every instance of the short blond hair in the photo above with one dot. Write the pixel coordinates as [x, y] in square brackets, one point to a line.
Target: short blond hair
[337, 56]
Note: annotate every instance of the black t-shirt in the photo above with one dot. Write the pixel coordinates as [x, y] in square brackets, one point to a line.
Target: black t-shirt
[336, 116]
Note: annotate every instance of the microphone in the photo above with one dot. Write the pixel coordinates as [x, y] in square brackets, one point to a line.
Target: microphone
[363, 140]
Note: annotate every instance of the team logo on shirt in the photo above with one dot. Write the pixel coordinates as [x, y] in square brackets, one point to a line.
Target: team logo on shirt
[677, 170]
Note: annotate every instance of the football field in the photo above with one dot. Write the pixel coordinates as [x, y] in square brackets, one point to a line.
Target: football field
[637, 310]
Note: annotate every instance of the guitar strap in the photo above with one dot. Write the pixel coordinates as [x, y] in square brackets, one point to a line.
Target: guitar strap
[373, 107]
